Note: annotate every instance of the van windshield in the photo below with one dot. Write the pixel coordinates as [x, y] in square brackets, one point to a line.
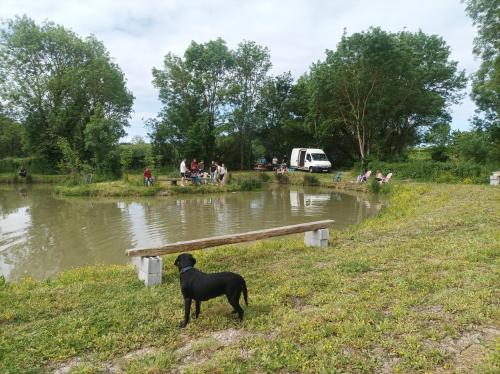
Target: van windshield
[319, 157]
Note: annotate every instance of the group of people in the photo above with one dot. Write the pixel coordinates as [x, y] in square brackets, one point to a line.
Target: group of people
[279, 167]
[379, 177]
[197, 173]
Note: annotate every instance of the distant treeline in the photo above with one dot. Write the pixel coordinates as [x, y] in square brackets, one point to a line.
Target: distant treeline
[65, 104]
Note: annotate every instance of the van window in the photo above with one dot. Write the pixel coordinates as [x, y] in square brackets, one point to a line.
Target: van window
[308, 157]
[319, 157]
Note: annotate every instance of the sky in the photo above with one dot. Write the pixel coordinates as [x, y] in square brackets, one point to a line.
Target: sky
[138, 34]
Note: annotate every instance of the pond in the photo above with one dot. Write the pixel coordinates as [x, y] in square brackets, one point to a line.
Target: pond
[42, 234]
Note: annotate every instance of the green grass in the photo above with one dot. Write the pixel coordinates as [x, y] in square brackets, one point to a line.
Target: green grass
[414, 289]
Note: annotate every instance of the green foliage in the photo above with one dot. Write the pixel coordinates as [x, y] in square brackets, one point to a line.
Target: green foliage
[439, 153]
[264, 177]
[311, 180]
[249, 184]
[377, 187]
[474, 146]
[54, 81]
[193, 90]
[11, 138]
[486, 81]
[446, 172]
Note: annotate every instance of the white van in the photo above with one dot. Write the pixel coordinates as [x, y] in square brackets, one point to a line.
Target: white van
[311, 159]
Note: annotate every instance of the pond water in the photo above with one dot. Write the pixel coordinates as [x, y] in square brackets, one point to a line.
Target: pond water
[41, 234]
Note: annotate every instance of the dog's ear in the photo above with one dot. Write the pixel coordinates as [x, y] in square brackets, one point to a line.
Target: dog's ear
[193, 260]
[176, 261]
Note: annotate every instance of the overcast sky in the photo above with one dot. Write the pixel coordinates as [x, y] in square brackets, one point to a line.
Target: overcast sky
[138, 34]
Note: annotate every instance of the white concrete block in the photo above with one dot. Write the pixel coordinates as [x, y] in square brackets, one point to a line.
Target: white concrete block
[494, 180]
[149, 269]
[317, 238]
[151, 265]
[152, 280]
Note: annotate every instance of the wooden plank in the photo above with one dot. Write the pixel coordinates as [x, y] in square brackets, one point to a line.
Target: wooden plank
[215, 241]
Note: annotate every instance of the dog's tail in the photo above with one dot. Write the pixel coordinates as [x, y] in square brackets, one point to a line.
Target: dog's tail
[245, 292]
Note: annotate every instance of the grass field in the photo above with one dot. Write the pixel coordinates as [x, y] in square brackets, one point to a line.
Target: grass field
[414, 289]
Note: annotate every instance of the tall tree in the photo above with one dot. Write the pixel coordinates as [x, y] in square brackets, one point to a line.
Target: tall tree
[486, 82]
[193, 91]
[251, 65]
[381, 87]
[52, 81]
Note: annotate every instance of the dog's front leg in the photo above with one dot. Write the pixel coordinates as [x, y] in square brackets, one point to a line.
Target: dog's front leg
[198, 308]
[187, 310]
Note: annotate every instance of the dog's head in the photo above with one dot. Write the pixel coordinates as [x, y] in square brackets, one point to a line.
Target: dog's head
[184, 260]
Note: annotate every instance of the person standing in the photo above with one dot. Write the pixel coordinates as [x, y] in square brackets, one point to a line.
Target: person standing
[213, 172]
[222, 173]
[183, 171]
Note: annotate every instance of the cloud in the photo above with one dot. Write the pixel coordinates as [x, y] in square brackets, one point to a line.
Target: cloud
[139, 34]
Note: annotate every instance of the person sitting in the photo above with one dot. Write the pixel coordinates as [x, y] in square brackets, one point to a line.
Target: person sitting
[23, 172]
[282, 169]
[204, 177]
[148, 177]
[263, 161]
[379, 177]
[387, 178]
[195, 178]
[338, 177]
[364, 177]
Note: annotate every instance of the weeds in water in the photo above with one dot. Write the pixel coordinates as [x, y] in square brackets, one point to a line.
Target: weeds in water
[282, 178]
[310, 180]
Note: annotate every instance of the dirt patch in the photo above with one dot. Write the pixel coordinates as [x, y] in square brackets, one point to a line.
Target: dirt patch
[469, 348]
[65, 369]
[230, 336]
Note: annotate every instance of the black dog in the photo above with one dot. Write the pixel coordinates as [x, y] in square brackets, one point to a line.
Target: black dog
[199, 286]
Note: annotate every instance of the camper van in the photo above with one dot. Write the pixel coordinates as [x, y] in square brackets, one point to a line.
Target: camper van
[310, 159]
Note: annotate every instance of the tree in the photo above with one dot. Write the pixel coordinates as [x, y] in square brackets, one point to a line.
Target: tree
[193, 90]
[101, 137]
[380, 88]
[486, 82]
[251, 65]
[11, 138]
[52, 81]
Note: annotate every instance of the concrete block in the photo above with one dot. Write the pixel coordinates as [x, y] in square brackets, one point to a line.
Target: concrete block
[317, 238]
[152, 280]
[494, 180]
[151, 265]
[149, 269]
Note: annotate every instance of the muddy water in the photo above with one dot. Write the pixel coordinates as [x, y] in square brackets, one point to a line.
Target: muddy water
[41, 235]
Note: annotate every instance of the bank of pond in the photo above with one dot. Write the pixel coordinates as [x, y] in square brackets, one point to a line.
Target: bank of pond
[164, 185]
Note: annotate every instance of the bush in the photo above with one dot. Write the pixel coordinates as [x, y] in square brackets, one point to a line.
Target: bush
[264, 177]
[249, 184]
[282, 178]
[376, 187]
[433, 171]
[32, 164]
[310, 180]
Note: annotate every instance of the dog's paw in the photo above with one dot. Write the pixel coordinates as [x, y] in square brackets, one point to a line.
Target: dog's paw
[183, 324]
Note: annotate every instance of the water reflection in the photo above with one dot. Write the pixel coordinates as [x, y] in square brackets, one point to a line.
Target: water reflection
[42, 235]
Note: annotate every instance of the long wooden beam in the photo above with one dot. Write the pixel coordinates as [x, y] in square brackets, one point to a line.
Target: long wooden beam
[215, 241]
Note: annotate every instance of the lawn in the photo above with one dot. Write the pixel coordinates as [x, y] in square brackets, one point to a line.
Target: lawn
[414, 289]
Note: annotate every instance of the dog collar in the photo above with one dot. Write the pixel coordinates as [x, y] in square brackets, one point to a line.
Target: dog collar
[187, 268]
